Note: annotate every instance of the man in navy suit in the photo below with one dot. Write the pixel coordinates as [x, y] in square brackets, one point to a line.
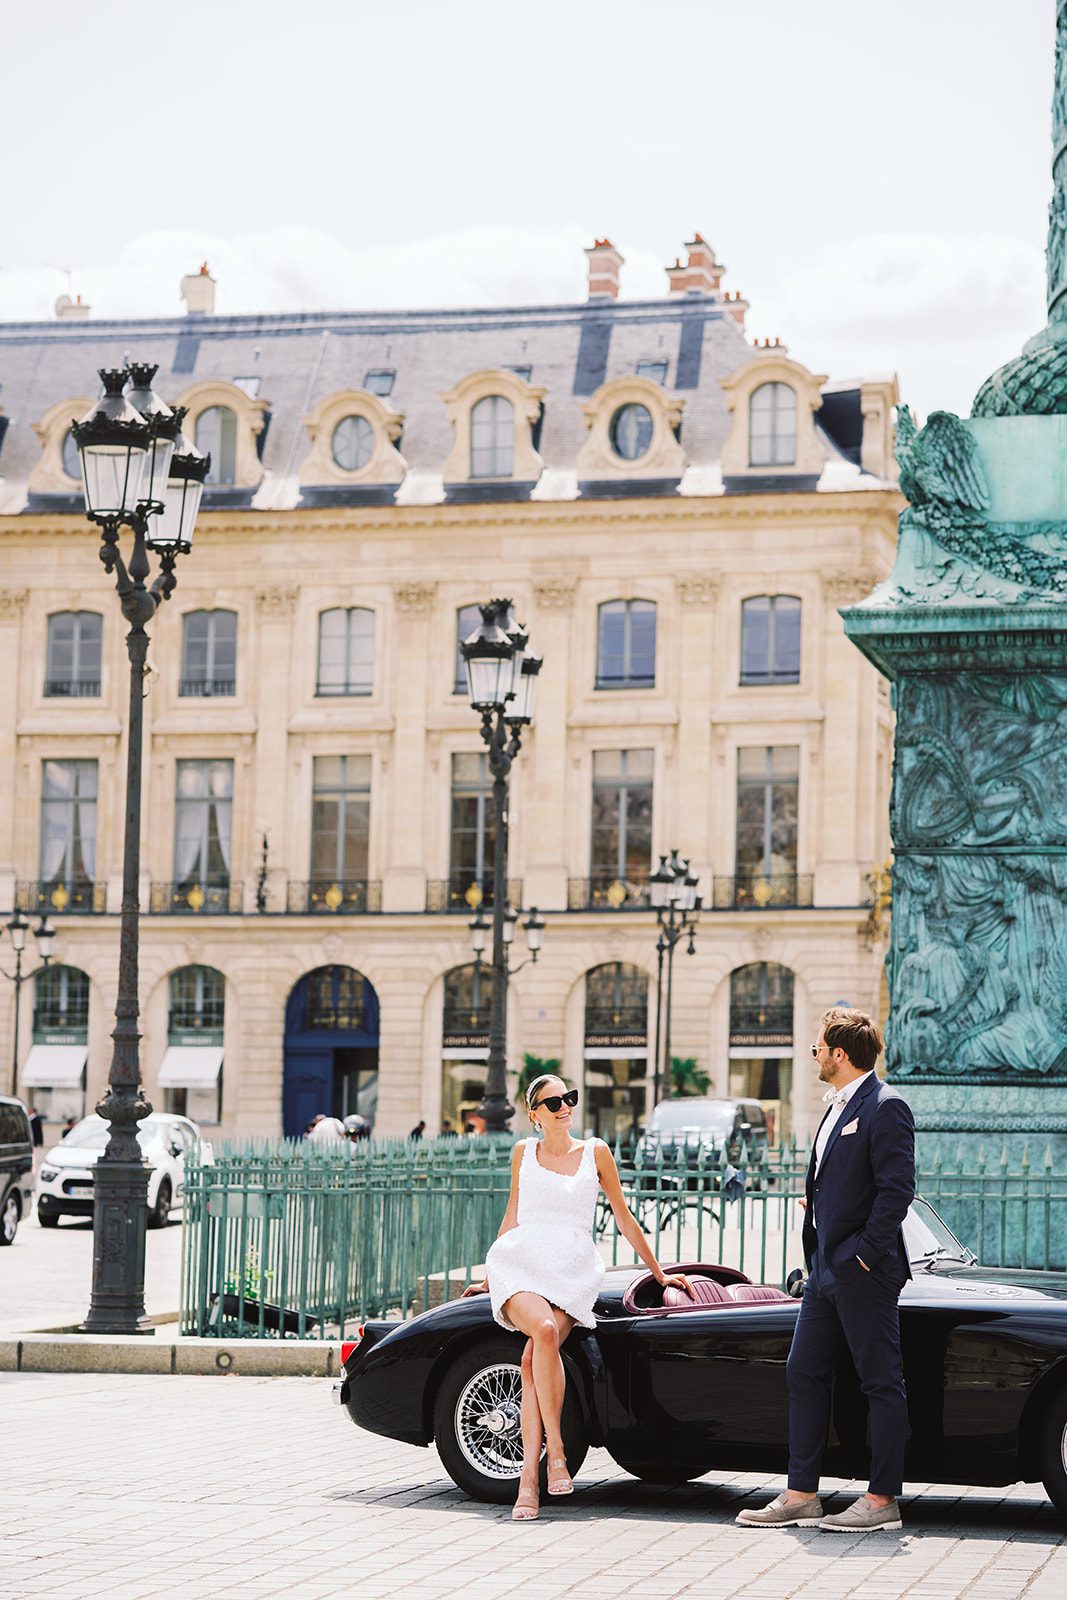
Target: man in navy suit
[861, 1181]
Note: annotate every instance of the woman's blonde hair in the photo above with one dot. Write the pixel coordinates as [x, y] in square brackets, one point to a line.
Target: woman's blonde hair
[533, 1089]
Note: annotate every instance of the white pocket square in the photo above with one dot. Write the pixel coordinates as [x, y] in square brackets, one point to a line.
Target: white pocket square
[851, 1128]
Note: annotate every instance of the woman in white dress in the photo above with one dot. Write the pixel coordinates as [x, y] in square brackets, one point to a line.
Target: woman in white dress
[543, 1272]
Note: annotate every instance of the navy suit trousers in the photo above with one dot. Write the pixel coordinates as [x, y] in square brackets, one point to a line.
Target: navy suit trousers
[858, 1318]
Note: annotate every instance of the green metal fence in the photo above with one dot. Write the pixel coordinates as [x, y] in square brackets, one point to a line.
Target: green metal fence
[292, 1239]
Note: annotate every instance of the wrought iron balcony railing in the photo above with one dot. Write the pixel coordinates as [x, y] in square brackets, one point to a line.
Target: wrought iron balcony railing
[465, 892]
[758, 1021]
[756, 891]
[336, 896]
[81, 898]
[616, 1020]
[72, 688]
[470, 1022]
[608, 892]
[196, 899]
[206, 688]
[49, 1019]
[185, 1021]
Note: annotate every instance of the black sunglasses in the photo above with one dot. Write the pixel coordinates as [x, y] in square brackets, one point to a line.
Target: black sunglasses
[555, 1102]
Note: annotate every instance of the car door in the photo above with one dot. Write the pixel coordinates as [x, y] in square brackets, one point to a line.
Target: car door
[700, 1387]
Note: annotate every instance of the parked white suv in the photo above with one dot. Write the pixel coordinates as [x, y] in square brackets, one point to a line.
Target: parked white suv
[65, 1177]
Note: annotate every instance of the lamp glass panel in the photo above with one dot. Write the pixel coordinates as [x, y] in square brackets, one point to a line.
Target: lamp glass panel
[112, 476]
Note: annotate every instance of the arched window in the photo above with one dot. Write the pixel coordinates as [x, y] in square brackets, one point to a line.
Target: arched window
[61, 1004]
[216, 431]
[616, 1001]
[346, 651]
[761, 1041]
[492, 437]
[626, 645]
[772, 426]
[75, 646]
[335, 1000]
[770, 639]
[466, 1010]
[197, 1004]
[209, 654]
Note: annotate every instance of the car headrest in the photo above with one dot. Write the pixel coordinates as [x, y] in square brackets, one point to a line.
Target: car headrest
[749, 1292]
[706, 1292]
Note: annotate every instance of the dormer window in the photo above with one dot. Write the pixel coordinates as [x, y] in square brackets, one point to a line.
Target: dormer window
[352, 444]
[380, 381]
[492, 438]
[631, 432]
[72, 464]
[772, 426]
[216, 431]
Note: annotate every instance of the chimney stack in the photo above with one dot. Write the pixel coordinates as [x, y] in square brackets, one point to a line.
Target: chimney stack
[604, 264]
[198, 292]
[69, 310]
[701, 274]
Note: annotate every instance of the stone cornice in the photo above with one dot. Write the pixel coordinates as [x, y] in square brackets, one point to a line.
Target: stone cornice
[875, 509]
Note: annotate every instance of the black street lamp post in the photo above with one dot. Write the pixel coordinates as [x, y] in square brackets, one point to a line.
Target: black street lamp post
[677, 906]
[44, 933]
[502, 684]
[139, 472]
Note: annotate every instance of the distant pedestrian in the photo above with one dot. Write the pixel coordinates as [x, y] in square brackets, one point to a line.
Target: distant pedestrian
[71, 1122]
[36, 1127]
[417, 1131]
[447, 1130]
[356, 1127]
[326, 1129]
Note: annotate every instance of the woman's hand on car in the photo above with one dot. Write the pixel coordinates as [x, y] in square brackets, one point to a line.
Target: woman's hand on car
[476, 1288]
[678, 1280]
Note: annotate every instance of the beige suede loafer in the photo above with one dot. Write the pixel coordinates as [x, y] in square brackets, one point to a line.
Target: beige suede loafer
[862, 1517]
[782, 1513]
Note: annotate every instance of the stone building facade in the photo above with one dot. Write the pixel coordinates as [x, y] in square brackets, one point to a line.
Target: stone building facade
[678, 515]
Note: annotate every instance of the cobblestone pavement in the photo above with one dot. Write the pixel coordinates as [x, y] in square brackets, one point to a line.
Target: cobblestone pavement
[47, 1275]
[162, 1488]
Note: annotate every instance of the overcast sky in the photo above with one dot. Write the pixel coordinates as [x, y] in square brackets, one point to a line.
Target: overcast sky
[875, 176]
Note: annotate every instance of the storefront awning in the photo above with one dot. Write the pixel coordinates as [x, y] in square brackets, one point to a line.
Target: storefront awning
[190, 1067]
[54, 1066]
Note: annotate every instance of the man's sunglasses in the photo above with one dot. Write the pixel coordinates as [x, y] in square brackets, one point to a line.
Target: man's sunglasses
[555, 1102]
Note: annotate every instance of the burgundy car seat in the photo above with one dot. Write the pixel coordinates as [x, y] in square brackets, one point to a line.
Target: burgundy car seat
[746, 1293]
[706, 1292]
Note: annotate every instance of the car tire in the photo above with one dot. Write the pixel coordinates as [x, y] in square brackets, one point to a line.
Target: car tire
[159, 1215]
[662, 1472]
[47, 1219]
[10, 1215]
[486, 1380]
[1052, 1454]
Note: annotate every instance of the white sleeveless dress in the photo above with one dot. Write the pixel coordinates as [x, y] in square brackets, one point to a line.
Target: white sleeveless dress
[551, 1252]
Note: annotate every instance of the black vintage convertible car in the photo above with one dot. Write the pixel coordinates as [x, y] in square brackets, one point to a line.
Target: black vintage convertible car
[681, 1389]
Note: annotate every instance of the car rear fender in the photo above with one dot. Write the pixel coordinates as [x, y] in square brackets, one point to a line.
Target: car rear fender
[1051, 1382]
[577, 1364]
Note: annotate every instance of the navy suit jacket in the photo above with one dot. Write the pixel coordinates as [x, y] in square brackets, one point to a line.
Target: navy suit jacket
[864, 1186]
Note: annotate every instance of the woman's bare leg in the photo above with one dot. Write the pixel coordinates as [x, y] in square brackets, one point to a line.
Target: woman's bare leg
[546, 1328]
[533, 1434]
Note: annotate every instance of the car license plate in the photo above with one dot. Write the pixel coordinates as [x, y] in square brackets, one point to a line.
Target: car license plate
[81, 1191]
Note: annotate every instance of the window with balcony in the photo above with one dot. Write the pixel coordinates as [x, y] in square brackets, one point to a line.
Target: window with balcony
[203, 835]
[626, 645]
[61, 1006]
[75, 645]
[68, 835]
[191, 1073]
[209, 654]
[621, 852]
[340, 833]
[472, 837]
[766, 870]
[346, 651]
[770, 639]
[197, 1005]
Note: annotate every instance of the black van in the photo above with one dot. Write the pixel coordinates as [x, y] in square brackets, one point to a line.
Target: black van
[16, 1167]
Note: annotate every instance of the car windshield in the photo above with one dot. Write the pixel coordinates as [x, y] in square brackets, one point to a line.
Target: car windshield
[930, 1239]
[92, 1134]
[692, 1114]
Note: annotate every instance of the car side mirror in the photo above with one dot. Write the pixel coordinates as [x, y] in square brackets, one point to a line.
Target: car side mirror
[175, 1146]
[794, 1284]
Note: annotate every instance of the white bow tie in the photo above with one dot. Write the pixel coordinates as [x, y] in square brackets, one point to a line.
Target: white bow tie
[834, 1097]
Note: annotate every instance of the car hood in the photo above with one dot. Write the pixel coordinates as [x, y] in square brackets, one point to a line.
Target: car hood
[85, 1155]
[993, 1283]
[679, 1135]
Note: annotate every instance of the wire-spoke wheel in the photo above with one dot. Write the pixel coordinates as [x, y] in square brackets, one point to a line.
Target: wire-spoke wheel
[9, 1218]
[477, 1425]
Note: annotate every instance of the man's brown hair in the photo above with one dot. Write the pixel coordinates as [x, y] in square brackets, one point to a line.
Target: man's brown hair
[854, 1032]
